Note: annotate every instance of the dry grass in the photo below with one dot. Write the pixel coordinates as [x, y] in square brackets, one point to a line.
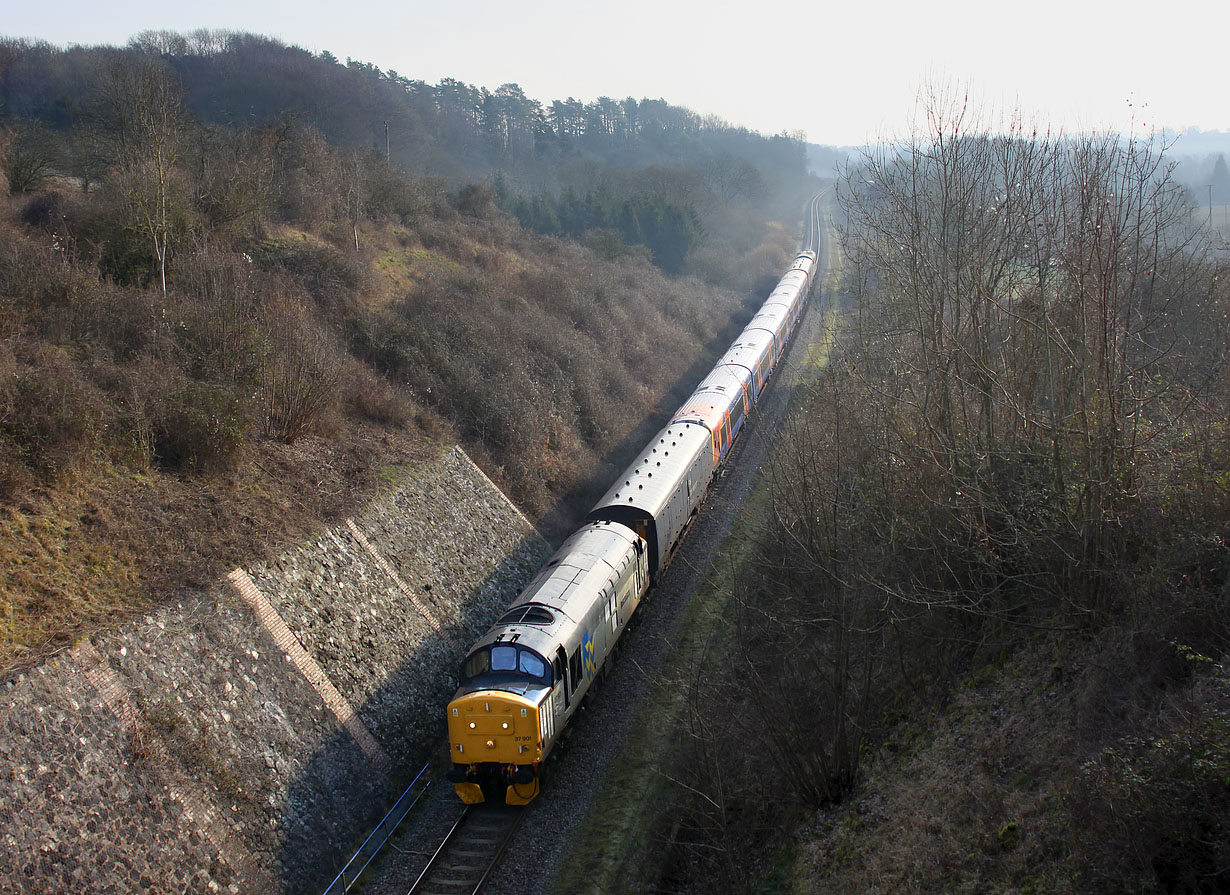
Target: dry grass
[970, 802]
[1079, 765]
[111, 541]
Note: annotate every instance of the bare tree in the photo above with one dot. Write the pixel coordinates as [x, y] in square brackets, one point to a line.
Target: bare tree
[1023, 303]
[27, 158]
[136, 116]
[303, 375]
[355, 194]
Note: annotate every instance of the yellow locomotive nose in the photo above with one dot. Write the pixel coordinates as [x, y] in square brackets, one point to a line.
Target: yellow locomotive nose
[494, 726]
[496, 745]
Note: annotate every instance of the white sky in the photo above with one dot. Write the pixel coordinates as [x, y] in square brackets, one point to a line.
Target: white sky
[844, 75]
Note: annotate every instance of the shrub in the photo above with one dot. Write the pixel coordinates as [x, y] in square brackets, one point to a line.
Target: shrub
[371, 397]
[49, 414]
[300, 383]
[201, 427]
[46, 211]
[476, 200]
[333, 278]
[1153, 812]
[218, 333]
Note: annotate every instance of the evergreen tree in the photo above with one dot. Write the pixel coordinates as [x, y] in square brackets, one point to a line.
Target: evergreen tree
[1221, 181]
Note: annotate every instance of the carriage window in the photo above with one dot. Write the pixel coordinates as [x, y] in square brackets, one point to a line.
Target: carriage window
[503, 658]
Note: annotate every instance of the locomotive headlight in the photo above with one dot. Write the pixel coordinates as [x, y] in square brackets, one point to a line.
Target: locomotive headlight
[505, 725]
[490, 744]
[472, 725]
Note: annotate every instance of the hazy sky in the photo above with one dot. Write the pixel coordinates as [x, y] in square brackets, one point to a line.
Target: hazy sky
[844, 75]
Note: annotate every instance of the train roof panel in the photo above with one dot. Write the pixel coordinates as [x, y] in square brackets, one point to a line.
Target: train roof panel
[708, 410]
[720, 392]
[742, 373]
[721, 379]
[751, 349]
[657, 471]
[753, 338]
[769, 318]
[782, 304]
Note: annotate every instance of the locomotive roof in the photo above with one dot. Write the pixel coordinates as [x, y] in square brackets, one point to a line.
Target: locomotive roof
[555, 601]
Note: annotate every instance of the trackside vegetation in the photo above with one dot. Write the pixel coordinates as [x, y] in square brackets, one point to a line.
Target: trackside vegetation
[982, 642]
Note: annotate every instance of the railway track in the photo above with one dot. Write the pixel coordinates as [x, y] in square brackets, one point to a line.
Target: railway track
[470, 851]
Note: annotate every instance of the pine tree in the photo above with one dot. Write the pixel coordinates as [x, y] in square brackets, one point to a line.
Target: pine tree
[1221, 181]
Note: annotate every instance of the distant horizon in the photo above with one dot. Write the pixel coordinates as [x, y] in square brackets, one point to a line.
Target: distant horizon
[856, 84]
[1221, 137]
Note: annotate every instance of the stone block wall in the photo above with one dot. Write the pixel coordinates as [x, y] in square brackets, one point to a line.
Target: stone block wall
[246, 739]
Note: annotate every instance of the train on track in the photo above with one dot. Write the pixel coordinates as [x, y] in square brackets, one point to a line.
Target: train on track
[523, 681]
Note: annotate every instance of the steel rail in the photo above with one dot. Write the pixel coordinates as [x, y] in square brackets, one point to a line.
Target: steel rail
[470, 851]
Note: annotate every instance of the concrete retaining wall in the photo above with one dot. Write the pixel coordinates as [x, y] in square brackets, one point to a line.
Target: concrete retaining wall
[245, 739]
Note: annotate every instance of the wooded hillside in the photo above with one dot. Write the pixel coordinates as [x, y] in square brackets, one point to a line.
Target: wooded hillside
[227, 314]
[683, 175]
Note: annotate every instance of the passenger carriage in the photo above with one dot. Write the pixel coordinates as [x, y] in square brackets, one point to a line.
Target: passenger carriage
[658, 495]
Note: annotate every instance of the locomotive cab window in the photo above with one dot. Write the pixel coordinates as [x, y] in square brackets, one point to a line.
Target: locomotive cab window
[475, 664]
[529, 663]
[503, 658]
[506, 661]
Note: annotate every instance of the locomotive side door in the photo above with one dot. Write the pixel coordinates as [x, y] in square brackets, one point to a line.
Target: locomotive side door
[559, 700]
[642, 568]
